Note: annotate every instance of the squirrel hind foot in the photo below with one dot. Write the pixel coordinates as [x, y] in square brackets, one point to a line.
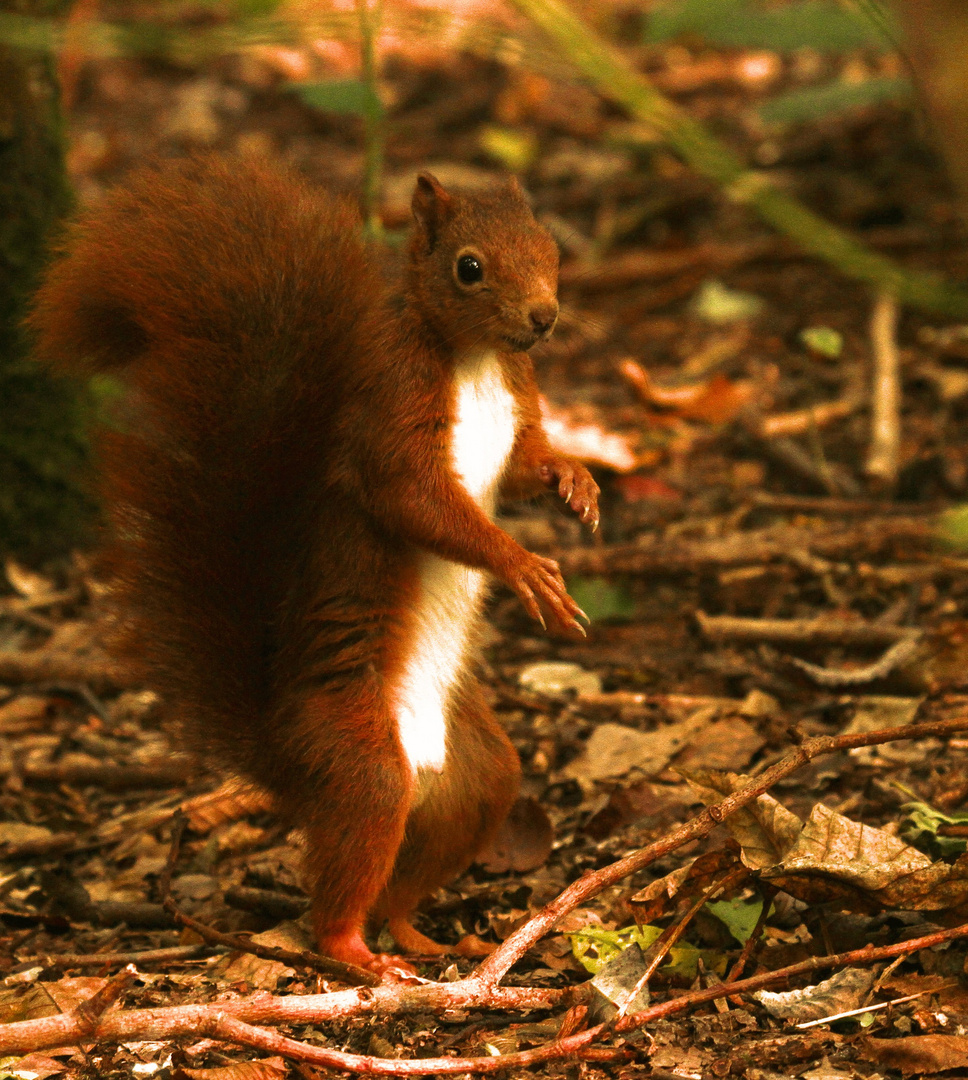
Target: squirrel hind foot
[412, 941]
[349, 947]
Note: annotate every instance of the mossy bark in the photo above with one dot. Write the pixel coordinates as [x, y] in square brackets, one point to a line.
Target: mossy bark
[937, 47]
[43, 509]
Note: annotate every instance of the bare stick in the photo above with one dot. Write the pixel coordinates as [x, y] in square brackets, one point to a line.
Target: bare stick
[822, 630]
[899, 653]
[882, 456]
[889, 535]
[113, 959]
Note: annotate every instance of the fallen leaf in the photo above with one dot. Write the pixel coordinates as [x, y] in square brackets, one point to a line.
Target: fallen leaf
[717, 303]
[919, 1055]
[823, 340]
[694, 879]
[728, 743]
[639, 488]
[523, 841]
[765, 829]
[588, 442]
[558, 677]
[840, 993]
[266, 1069]
[614, 749]
[233, 800]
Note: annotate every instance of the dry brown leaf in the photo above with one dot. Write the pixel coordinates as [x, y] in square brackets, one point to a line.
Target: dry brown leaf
[728, 743]
[68, 993]
[589, 442]
[696, 878]
[845, 990]
[615, 750]
[765, 830]
[919, 1055]
[714, 401]
[38, 1066]
[523, 842]
[233, 800]
[267, 1069]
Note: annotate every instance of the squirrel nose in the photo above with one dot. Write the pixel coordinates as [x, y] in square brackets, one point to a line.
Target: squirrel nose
[543, 317]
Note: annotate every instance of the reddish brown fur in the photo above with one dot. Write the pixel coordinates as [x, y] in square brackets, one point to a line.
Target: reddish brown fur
[286, 458]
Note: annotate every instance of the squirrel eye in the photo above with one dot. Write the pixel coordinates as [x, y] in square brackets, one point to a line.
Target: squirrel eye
[469, 270]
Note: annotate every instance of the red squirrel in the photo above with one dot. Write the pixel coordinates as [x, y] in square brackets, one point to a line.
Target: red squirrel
[301, 495]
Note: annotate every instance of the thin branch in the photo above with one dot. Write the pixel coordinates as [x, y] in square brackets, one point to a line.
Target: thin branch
[899, 653]
[820, 630]
[884, 450]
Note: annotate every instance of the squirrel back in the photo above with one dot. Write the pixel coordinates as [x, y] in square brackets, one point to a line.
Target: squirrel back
[232, 300]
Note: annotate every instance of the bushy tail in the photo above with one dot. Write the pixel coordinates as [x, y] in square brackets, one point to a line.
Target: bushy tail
[231, 298]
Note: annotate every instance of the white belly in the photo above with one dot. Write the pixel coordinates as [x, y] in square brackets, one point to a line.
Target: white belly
[449, 596]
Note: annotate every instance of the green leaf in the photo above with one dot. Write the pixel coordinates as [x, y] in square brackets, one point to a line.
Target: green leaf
[815, 102]
[738, 916]
[594, 947]
[717, 303]
[823, 340]
[953, 527]
[823, 25]
[923, 822]
[345, 96]
[601, 599]
[514, 149]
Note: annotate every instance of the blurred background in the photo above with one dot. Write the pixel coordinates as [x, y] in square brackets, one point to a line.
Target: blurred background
[731, 182]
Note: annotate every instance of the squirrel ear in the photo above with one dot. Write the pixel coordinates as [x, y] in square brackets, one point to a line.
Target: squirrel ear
[431, 206]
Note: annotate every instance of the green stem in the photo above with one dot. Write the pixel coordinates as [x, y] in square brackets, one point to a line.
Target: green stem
[616, 79]
[373, 119]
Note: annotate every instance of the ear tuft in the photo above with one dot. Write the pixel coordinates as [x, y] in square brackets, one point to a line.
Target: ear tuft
[431, 206]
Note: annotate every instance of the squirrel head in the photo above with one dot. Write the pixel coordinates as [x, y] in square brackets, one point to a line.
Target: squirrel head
[482, 271]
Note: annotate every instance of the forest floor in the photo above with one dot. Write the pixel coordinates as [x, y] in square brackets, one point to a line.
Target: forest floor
[752, 584]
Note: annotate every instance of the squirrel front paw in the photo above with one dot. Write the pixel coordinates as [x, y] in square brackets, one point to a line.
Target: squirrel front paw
[536, 581]
[575, 485]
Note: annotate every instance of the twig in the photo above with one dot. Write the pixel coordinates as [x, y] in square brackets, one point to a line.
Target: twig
[50, 665]
[388, 999]
[617, 80]
[324, 964]
[882, 456]
[811, 504]
[899, 653]
[163, 774]
[109, 959]
[884, 535]
[803, 420]
[861, 1011]
[821, 630]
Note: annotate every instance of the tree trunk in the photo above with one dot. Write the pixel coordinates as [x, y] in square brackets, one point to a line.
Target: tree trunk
[42, 446]
[936, 43]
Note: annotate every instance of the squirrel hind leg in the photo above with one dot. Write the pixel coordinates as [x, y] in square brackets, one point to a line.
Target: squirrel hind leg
[457, 813]
[353, 808]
